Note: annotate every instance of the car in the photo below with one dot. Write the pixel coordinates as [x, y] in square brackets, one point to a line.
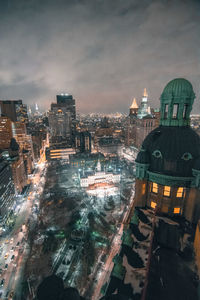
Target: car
[6, 255]
[11, 240]
[2, 282]
[12, 249]
[18, 244]
[12, 257]
[6, 266]
[7, 241]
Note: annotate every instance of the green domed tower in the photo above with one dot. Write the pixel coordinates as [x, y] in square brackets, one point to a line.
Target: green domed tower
[167, 166]
[176, 103]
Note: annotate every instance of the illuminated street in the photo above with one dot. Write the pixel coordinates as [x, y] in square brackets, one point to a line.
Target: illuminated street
[14, 247]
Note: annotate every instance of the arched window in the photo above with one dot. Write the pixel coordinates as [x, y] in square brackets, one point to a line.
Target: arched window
[166, 111]
[175, 111]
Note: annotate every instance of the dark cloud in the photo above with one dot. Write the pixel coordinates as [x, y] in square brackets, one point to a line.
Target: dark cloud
[104, 52]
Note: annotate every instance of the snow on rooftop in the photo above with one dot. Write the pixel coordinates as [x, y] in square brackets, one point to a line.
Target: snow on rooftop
[134, 276]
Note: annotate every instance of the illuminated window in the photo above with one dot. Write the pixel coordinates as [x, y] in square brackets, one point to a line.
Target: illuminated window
[154, 188]
[179, 193]
[143, 188]
[167, 191]
[153, 204]
[177, 210]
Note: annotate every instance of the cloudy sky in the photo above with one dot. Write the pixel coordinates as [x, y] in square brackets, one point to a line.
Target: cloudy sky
[104, 52]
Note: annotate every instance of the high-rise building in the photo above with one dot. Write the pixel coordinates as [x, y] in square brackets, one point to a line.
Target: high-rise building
[23, 139]
[62, 118]
[83, 141]
[143, 109]
[69, 102]
[15, 110]
[141, 122]
[19, 173]
[5, 132]
[7, 191]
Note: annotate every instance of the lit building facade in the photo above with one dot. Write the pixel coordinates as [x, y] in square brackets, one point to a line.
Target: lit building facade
[7, 191]
[133, 108]
[83, 141]
[59, 153]
[15, 110]
[99, 177]
[5, 132]
[168, 164]
[141, 121]
[23, 139]
[62, 118]
[19, 173]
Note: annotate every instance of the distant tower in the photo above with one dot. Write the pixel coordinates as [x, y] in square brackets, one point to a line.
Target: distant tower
[133, 108]
[143, 108]
[36, 107]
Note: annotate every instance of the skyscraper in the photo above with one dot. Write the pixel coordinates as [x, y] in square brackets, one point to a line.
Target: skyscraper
[62, 118]
[5, 132]
[69, 102]
[15, 110]
[143, 110]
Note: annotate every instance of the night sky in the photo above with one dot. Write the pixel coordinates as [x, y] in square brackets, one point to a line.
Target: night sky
[104, 52]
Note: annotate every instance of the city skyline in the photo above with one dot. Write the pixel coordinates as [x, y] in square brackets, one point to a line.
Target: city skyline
[103, 53]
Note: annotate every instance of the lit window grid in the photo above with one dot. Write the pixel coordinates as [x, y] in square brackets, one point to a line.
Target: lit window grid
[167, 190]
[154, 188]
[179, 193]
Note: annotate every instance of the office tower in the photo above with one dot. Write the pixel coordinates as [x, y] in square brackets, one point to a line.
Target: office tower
[69, 102]
[6, 192]
[62, 118]
[23, 139]
[18, 168]
[5, 132]
[15, 110]
[83, 141]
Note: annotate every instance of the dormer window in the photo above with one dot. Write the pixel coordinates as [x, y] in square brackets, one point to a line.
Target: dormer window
[175, 111]
[166, 111]
[187, 156]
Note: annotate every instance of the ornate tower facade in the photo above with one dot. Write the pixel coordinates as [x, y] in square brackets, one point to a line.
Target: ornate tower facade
[143, 108]
[133, 108]
[168, 164]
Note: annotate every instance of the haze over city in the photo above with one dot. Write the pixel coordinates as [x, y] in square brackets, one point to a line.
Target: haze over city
[102, 52]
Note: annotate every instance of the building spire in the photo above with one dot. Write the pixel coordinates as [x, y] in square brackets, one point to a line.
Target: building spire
[145, 93]
[134, 104]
